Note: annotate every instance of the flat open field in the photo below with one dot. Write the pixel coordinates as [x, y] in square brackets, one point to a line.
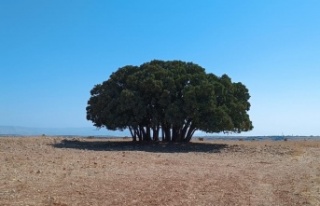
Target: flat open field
[61, 172]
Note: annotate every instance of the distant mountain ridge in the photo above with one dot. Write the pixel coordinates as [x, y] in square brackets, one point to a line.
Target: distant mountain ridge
[81, 131]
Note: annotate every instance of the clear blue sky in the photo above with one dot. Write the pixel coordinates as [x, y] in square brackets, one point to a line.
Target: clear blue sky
[53, 52]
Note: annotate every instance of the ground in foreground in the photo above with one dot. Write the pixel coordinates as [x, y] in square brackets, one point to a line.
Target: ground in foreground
[56, 171]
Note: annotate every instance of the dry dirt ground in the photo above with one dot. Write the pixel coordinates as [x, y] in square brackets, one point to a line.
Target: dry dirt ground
[61, 172]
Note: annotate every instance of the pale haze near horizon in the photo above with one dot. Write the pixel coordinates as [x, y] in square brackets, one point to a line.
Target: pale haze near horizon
[52, 53]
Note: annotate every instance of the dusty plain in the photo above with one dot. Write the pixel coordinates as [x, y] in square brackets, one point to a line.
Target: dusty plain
[55, 171]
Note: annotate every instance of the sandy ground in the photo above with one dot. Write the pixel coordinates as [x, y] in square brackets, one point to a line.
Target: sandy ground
[61, 172]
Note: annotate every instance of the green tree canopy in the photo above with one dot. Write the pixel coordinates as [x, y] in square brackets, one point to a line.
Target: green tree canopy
[169, 100]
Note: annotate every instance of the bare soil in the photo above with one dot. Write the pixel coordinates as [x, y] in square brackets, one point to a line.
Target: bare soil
[60, 172]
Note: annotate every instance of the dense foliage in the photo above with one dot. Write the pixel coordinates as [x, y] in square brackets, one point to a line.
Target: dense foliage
[169, 100]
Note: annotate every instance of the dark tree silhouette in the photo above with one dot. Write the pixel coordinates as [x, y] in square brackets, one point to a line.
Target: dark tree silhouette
[169, 101]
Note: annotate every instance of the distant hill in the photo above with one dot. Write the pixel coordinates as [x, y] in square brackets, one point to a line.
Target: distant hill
[80, 131]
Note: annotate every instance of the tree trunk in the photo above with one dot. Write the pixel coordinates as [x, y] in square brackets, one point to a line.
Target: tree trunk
[190, 133]
[174, 134]
[185, 129]
[142, 133]
[168, 134]
[162, 131]
[147, 135]
[133, 134]
[156, 133]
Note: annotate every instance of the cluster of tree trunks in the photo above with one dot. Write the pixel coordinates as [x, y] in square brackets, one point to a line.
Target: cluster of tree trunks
[163, 133]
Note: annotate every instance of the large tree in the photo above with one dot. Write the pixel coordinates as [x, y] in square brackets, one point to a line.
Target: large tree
[169, 101]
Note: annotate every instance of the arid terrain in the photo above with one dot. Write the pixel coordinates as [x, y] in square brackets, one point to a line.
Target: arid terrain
[61, 172]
